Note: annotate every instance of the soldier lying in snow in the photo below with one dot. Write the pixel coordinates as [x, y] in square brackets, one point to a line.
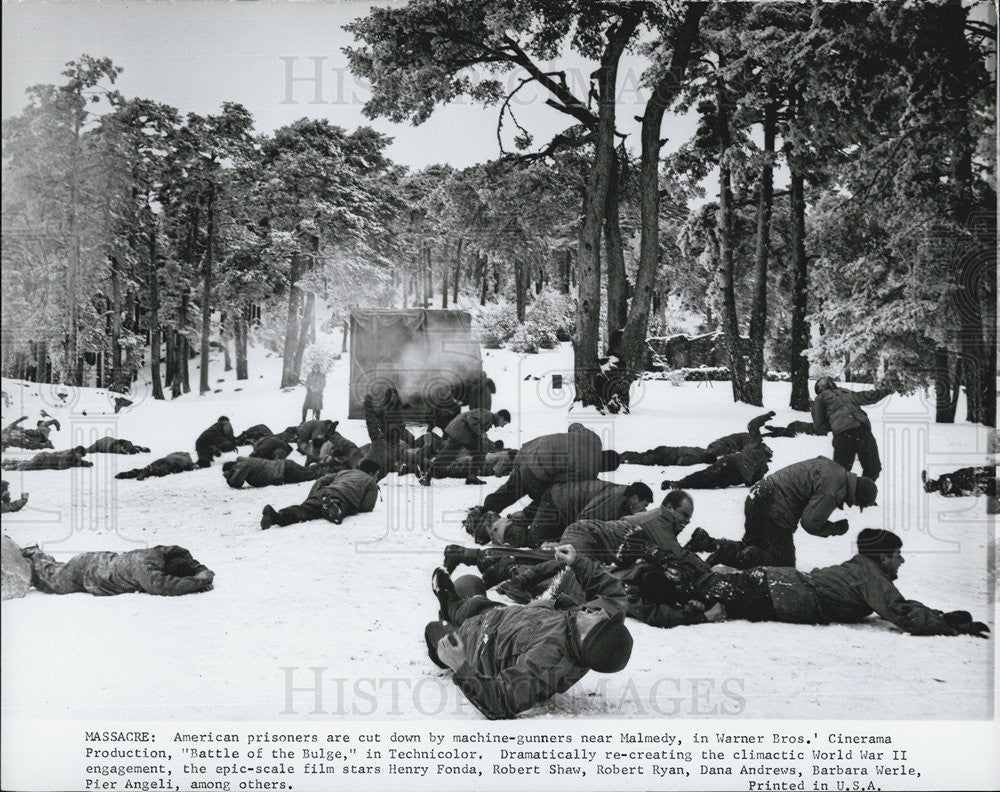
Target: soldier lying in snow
[963, 482]
[112, 445]
[50, 460]
[177, 462]
[845, 593]
[164, 570]
[13, 435]
[509, 658]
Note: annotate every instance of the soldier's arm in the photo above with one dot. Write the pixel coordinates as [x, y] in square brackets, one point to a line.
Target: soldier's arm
[12, 424]
[873, 395]
[909, 615]
[534, 678]
[664, 615]
[818, 411]
[238, 476]
[815, 518]
[160, 583]
[599, 586]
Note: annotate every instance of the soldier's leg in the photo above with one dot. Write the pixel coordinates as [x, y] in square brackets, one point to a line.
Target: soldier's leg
[296, 514]
[507, 494]
[718, 475]
[296, 473]
[744, 595]
[867, 448]
[131, 474]
[844, 449]
[583, 540]
[446, 457]
[49, 575]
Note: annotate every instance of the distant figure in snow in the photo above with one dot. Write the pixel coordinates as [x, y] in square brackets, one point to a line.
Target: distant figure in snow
[839, 410]
[479, 391]
[33, 439]
[50, 460]
[333, 497]
[733, 443]
[466, 432]
[167, 571]
[271, 447]
[267, 472]
[794, 428]
[666, 456]
[214, 441]
[8, 505]
[252, 434]
[315, 385]
[112, 445]
[742, 469]
[963, 482]
[177, 462]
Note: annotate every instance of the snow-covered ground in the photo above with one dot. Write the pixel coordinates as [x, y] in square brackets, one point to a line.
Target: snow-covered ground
[352, 600]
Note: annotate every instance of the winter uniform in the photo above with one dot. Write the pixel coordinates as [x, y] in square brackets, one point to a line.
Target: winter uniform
[479, 392]
[794, 428]
[253, 434]
[353, 490]
[112, 445]
[741, 469]
[563, 504]
[177, 462]
[843, 594]
[665, 456]
[164, 570]
[573, 455]
[267, 472]
[839, 410]
[384, 416]
[49, 460]
[214, 441]
[32, 439]
[733, 443]
[805, 493]
[315, 385]
[964, 482]
[312, 430]
[338, 451]
[602, 540]
[465, 431]
[271, 447]
[518, 656]
[8, 505]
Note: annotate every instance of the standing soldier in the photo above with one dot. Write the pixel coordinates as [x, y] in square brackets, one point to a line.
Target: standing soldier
[839, 410]
[315, 384]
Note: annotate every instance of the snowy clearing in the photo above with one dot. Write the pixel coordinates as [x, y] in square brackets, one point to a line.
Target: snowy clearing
[353, 599]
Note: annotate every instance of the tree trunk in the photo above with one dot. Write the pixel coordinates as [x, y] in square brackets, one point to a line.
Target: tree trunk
[484, 267]
[154, 318]
[758, 311]
[458, 271]
[588, 310]
[444, 285]
[224, 340]
[944, 403]
[727, 264]
[240, 332]
[799, 364]
[308, 312]
[633, 345]
[288, 375]
[617, 280]
[520, 287]
[116, 382]
[206, 296]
